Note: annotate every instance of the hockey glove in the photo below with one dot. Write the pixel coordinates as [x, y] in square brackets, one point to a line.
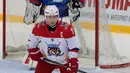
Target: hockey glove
[73, 63]
[74, 15]
[35, 54]
[77, 3]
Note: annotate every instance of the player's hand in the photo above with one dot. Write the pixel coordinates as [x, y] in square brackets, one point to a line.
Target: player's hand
[73, 63]
[35, 54]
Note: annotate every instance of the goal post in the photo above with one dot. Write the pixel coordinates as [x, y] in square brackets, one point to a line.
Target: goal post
[97, 3]
[3, 29]
[15, 32]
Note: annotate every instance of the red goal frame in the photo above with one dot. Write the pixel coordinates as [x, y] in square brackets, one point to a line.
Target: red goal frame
[4, 30]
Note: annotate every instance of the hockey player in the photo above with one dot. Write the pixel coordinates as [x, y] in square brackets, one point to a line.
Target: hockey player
[32, 15]
[56, 41]
[64, 6]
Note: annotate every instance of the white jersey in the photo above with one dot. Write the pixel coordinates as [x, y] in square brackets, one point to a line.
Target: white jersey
[54, 45]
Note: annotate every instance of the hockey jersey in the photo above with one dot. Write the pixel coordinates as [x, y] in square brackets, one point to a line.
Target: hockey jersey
[55, 45]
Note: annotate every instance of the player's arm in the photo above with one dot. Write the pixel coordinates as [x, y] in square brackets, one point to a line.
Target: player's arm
[34, 51]
[73, 48]
[71, 41]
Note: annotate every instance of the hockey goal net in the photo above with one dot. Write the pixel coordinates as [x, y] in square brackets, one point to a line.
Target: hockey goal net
[95, 38]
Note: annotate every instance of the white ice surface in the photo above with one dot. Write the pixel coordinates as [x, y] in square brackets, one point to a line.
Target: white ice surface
[7, 66]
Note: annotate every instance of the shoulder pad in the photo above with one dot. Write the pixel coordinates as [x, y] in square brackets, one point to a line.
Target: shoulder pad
[65, 24]
[40, 23]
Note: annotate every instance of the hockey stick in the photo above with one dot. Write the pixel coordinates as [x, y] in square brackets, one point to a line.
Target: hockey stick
[59, 64]
[48, 60]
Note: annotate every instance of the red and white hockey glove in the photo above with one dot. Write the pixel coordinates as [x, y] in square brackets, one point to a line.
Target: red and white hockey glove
[73, 63]
[35, 54]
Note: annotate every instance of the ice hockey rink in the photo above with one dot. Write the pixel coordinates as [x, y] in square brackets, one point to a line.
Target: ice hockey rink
[17, 36]
[14, 65]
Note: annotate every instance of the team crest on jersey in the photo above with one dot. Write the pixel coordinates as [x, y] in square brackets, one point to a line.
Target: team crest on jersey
[53, 49]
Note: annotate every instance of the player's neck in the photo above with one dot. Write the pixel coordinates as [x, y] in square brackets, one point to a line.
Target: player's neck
[52, 28]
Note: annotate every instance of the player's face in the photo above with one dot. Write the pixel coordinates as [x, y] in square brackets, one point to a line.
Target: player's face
[52, 20]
